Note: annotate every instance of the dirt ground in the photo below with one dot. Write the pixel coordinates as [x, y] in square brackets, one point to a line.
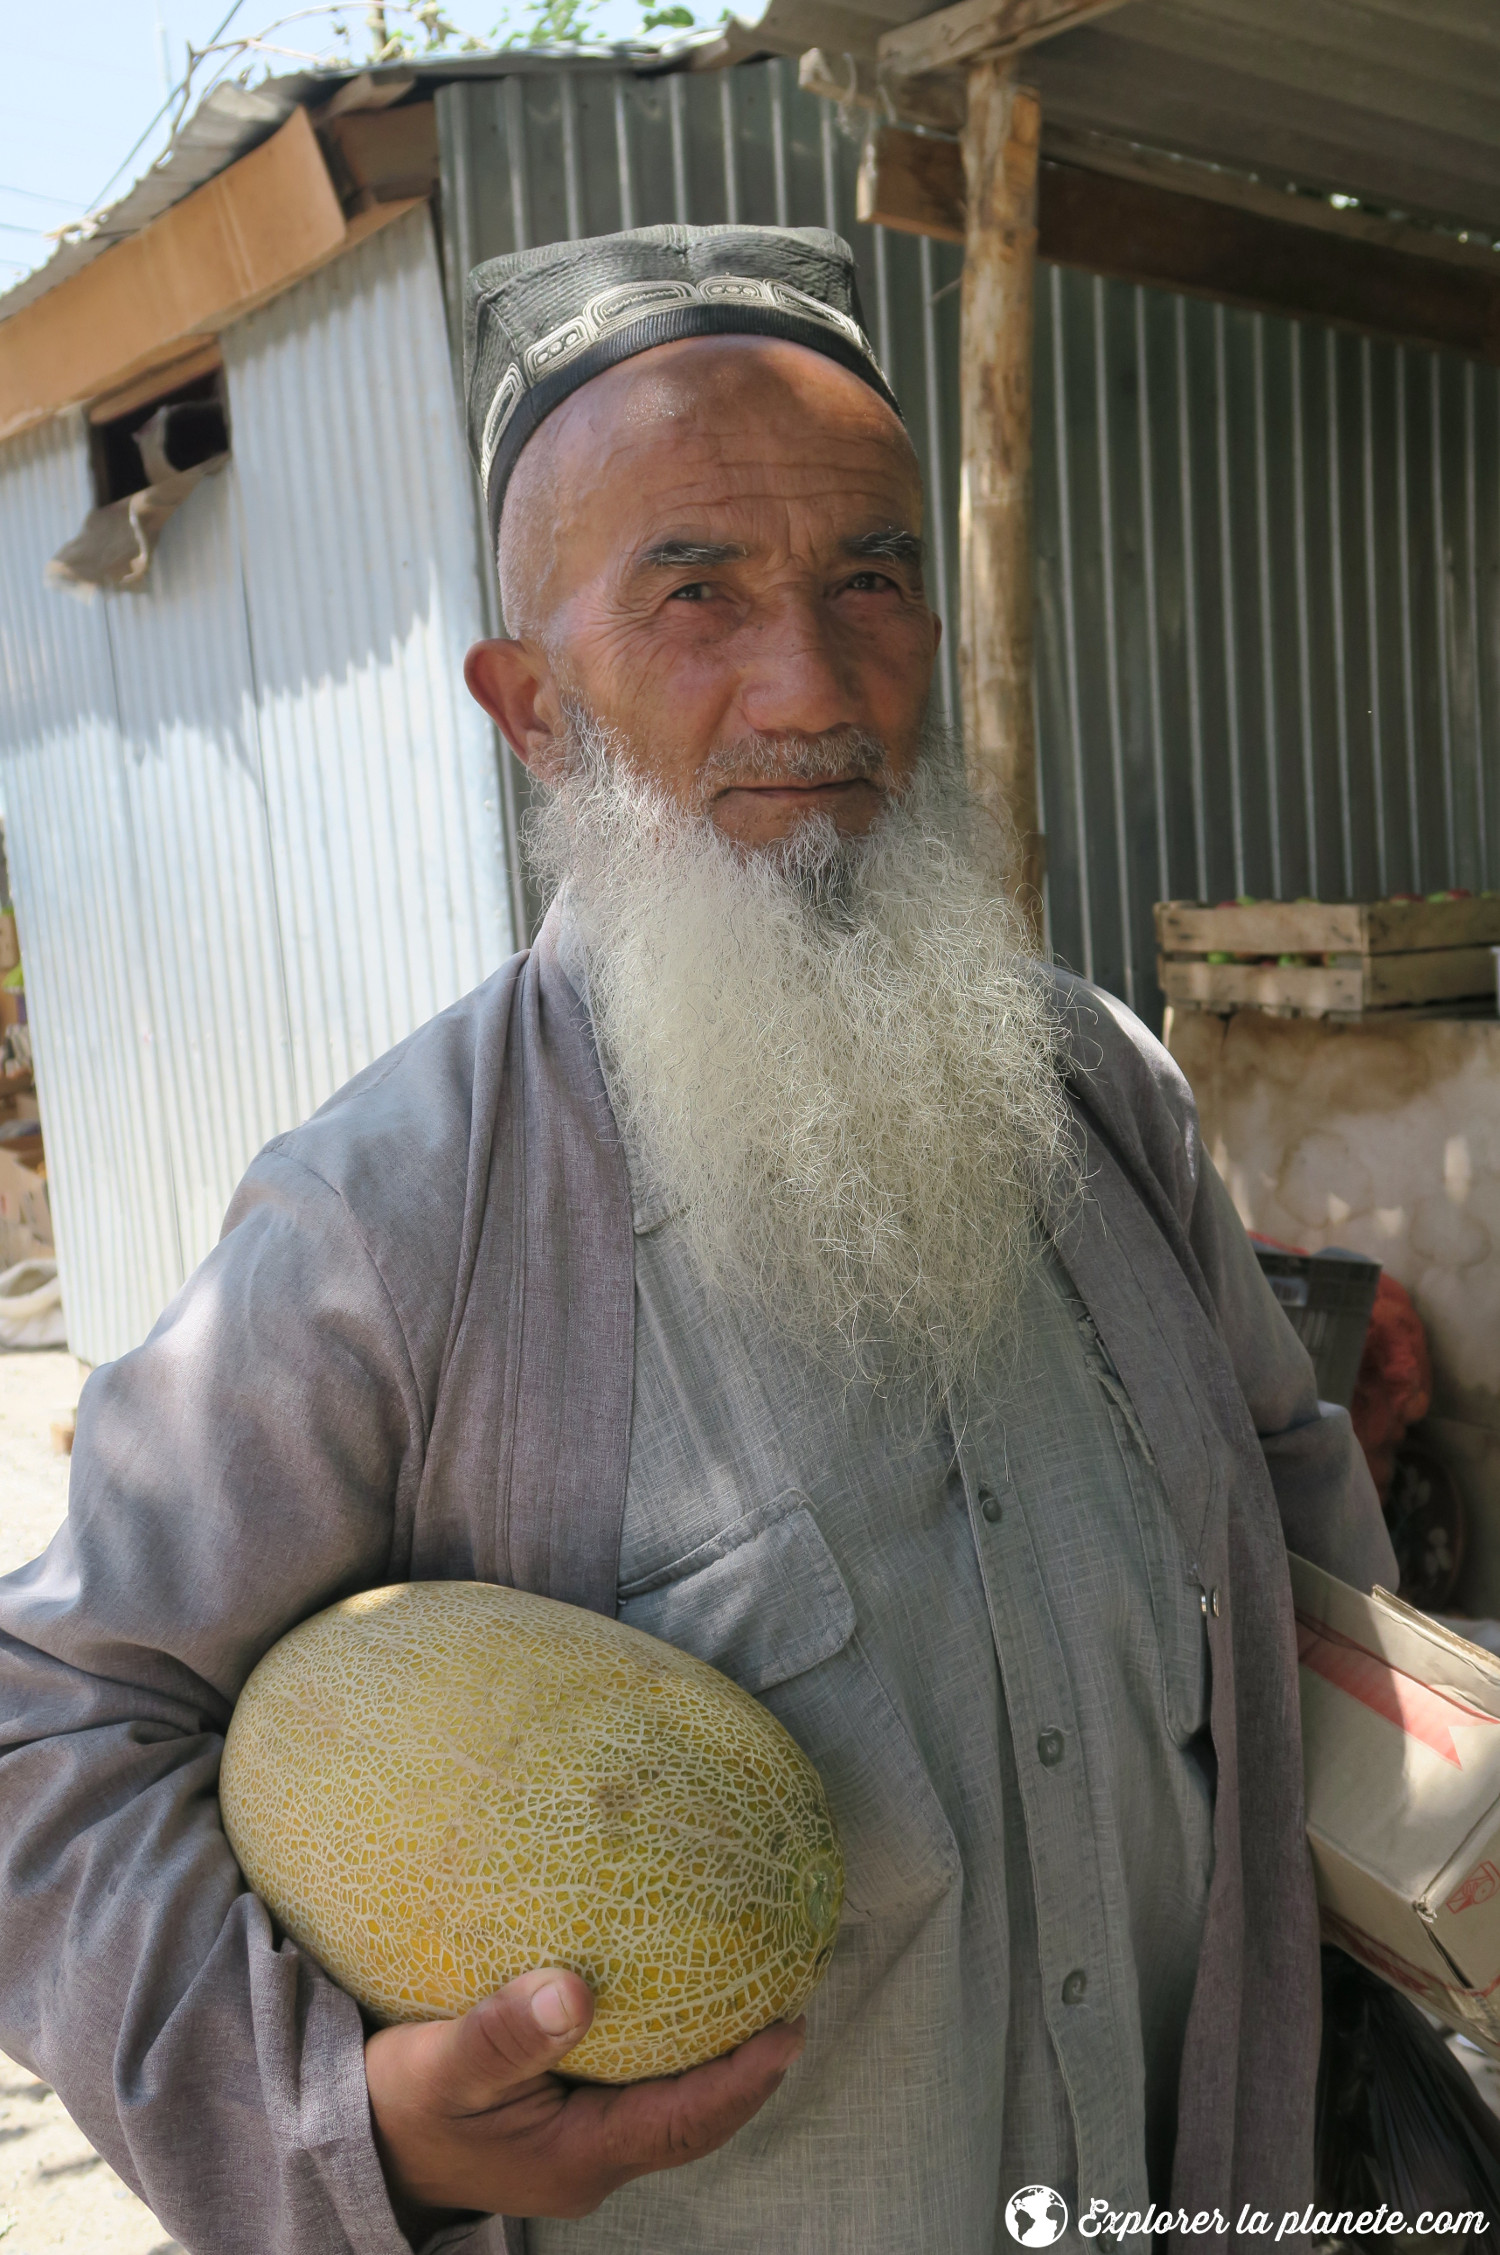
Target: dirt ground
[35, 1389]
[57, 2197]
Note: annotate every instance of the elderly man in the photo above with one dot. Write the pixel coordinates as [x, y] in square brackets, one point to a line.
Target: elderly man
[779, 1257]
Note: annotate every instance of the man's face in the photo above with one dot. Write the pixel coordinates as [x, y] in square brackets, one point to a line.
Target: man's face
[715, 550]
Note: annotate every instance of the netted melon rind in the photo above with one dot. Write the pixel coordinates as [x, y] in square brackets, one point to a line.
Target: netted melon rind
[441, 1785]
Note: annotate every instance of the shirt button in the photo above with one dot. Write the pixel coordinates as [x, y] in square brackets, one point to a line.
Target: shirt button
[990, 1505]
[1213, 1603]
[1051, 1747]
[1075, 1987]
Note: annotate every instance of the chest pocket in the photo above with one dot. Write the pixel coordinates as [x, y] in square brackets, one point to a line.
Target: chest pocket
[1175, 1592]
[765, 1602]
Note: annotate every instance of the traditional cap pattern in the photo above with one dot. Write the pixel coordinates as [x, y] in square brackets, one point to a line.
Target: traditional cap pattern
[539, 323]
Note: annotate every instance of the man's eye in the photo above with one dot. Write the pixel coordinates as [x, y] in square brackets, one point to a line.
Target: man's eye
[696, 591]
[870, 583]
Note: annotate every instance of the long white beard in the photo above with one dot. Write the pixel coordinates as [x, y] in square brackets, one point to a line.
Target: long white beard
[834, 1056]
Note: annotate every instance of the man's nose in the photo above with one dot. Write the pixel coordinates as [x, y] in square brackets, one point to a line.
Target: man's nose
[796, 680]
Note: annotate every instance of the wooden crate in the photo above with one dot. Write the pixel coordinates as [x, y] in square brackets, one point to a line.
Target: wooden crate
[1361, 956]
[1327, 927]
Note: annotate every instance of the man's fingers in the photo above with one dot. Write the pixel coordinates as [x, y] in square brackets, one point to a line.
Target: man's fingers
[661, 2125]
[512, 2037]
[467, 2112]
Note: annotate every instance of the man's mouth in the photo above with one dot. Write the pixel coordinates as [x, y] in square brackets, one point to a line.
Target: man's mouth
[792, 787]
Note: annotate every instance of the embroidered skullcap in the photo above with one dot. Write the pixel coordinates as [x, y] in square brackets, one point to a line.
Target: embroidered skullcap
[539, 323]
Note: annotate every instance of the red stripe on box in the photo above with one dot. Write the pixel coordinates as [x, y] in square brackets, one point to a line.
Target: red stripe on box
[1413, 1706]
[1391, 1966]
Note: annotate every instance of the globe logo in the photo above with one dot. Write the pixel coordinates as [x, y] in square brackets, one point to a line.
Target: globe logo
[1036, 2216]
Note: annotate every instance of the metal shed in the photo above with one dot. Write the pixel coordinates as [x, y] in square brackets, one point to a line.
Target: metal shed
[252, 816]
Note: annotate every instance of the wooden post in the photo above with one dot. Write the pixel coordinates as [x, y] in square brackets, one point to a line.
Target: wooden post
[1000, 143]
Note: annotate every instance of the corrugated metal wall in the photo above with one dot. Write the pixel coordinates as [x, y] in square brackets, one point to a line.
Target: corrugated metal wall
[1268, 555]
[1268, 584]
[362, 591]
[251, 813]
[72, 841]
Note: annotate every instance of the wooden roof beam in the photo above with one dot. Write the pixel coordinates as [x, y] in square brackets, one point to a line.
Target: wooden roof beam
[971, 28]
[1001, 139]
[1140, 229]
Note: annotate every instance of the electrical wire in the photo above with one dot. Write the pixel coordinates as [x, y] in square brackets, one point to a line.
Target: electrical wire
[150, 128]
[32, 197]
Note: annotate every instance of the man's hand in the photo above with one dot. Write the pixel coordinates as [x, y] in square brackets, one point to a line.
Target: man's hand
[468, 2115]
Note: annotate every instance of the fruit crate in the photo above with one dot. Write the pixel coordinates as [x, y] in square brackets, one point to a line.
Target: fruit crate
[1327, 958]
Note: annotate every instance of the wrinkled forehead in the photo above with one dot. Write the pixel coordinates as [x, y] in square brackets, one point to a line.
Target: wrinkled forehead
[744, 444]
[728, 389]
[705, 424]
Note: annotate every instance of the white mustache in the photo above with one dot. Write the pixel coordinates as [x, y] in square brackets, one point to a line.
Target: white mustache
[842, 753]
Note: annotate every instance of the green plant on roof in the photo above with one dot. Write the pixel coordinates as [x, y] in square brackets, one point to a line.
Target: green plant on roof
[554, 23]
[323, 35]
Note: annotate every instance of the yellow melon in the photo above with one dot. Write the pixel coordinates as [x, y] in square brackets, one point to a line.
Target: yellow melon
[442, 1785]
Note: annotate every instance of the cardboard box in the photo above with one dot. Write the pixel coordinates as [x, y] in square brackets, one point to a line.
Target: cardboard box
[1401, 1757]
[241, 238]
[25, 1215]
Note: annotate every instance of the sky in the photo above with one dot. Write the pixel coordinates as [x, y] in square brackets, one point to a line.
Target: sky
[84, 78]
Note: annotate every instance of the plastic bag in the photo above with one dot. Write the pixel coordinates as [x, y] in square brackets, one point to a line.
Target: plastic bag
[31, 1313]
[1399, 2123]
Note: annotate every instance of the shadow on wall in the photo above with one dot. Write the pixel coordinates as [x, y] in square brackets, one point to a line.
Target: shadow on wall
[341, 525]
[255, 816]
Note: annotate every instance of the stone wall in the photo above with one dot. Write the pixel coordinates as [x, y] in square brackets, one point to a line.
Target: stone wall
[1382, 1135]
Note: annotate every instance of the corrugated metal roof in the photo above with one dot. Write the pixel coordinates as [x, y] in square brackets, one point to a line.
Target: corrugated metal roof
[231, 120]
[1396, 102]
[227, 124]
[1398, 105]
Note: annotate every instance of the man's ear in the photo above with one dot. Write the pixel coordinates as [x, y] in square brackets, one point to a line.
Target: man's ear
[515, 687]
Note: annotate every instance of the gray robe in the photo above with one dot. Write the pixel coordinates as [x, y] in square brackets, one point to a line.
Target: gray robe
[410, 1357]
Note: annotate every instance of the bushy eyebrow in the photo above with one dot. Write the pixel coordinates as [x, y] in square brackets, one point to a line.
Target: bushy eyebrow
[689, 555]
[891, 545]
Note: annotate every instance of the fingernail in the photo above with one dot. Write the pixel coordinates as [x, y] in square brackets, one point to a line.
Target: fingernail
[552, 2012]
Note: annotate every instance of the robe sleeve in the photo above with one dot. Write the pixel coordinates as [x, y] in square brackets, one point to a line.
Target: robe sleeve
[1329, 1510]
[243, 1468]
[1137, 1092]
